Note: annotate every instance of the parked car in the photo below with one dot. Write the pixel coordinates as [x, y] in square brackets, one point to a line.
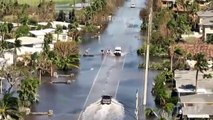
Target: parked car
[106, 99]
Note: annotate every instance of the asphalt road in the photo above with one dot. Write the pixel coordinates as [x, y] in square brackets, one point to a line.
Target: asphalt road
[100, 75]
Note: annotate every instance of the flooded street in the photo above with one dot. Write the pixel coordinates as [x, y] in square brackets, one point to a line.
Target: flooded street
[102, 75]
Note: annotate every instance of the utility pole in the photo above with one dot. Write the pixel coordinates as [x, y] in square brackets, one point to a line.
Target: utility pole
[147, 52]
[1, 86]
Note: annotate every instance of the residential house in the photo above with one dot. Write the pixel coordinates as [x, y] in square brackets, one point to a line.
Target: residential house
[41, 33]
[167, 3]
[55, 23]
[62, 36]
[195, 104]
[205, 22]
[202, 3]
[29, 45]
[197, 48]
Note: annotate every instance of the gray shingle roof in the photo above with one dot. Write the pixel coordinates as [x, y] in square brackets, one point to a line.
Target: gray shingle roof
[208, 13]
[208, 21]
[169, 1]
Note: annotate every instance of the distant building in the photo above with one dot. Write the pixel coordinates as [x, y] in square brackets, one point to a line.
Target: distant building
[197, 48]
[203, 15]
[29, 45]
[62, 36]
[41, 33]
[202, 2]
[195, 104]
[167, 3]
[55, 23]
[207, 26]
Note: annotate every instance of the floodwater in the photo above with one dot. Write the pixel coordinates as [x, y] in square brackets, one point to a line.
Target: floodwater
[100, 75]
[97, 111]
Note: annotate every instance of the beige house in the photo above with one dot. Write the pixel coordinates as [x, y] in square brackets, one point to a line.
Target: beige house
[207, 27]
[167, 3]
[195, 104]
[205, 23]
[203, 15]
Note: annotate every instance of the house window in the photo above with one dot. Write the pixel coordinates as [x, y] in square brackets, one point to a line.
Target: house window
[211, 27]
[209, 38]
[164, 2]
[64, 37]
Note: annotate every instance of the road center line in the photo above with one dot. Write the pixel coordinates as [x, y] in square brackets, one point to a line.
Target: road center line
[93, 84]
[120, 80]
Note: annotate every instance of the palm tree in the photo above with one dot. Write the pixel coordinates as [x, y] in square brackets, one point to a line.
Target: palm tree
[211, 5]
[9, 107]
[149, 112]
[3, 31]
[179, 58]
[17, 45]
[73, 31]
[100, 4]
[160, 114]
[43, 64]
[28, 93]
[66, 55]
[33, 59]
[171, 54]
[47, 40]
[58, 30]
[200, 65]
[88, 13]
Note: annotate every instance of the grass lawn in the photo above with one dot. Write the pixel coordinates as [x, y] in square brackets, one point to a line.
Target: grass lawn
[36, 2]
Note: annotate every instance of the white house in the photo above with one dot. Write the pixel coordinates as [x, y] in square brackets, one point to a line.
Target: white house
[42, 23]
[62, 36]
[55, 23]
[207, 27]
[29, 45]
[167, 3]
[41, 33]
[203, 15]
[192, 63]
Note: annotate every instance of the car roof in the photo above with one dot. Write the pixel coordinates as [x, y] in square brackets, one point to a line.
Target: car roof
[117, 48]
[106, 97]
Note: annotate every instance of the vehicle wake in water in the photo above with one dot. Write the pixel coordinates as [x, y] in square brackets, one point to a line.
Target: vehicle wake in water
[97, 111]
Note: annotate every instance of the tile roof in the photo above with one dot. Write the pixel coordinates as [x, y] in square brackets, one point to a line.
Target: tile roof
[197, 48]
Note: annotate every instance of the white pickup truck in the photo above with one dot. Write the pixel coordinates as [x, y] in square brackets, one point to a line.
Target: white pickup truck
[117, 51]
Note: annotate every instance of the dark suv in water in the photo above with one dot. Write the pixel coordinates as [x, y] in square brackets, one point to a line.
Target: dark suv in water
[106, 99]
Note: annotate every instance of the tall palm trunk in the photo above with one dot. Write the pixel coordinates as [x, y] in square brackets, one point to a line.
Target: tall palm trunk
[171, 63]
[40, 74]
[51, 70]
[57, 36]
[1, 86]
[2, 39]
[15, 56]
[196, 80]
